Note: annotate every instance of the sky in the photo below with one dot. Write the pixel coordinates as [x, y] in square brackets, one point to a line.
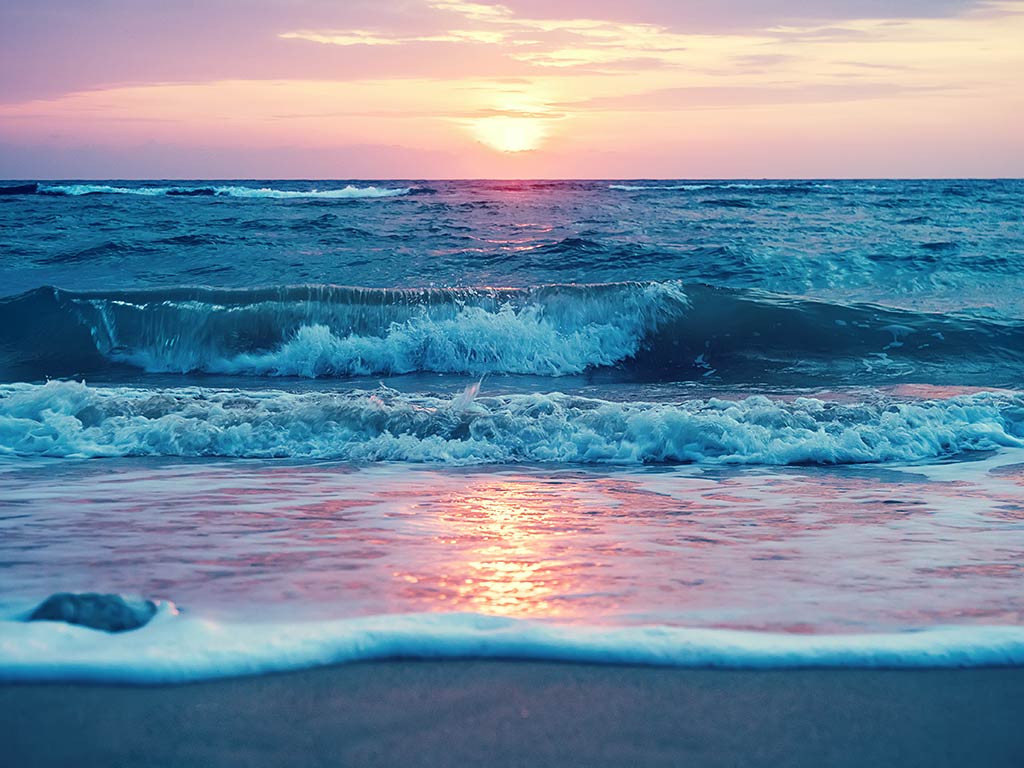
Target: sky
[415, 89]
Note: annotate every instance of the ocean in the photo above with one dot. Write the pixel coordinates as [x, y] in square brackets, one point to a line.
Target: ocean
[698, 423]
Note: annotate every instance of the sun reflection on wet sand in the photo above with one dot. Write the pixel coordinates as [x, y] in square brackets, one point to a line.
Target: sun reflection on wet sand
[507, 558]
[843, 549]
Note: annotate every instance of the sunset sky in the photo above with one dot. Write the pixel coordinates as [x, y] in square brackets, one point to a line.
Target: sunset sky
[524, 88]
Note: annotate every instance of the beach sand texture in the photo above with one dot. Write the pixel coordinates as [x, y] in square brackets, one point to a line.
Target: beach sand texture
[496, 713]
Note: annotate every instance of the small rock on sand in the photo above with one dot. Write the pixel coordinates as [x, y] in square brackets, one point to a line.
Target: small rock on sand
[111, 613]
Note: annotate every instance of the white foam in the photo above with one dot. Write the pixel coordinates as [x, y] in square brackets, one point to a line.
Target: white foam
[697, 187]
[89, 189]
[542, 331]
[475, 342]
[178, 648]
[69, 419]
[345, 193]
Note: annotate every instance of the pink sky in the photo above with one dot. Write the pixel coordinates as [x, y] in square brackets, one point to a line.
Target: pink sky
[524, 88]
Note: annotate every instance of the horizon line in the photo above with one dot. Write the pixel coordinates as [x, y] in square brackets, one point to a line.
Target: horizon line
[44, 179]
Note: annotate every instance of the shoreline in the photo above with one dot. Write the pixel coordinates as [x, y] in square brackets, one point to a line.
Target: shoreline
[511, 713]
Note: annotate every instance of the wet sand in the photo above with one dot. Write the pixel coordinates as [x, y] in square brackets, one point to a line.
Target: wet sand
[494, 713]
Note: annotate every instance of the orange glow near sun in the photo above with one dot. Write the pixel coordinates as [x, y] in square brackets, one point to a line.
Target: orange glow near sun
[506, 133]
[461, 89]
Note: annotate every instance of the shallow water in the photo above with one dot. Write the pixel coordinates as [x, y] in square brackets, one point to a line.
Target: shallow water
[797, 550]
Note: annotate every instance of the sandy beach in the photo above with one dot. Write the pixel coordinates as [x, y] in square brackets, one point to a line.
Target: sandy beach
[491, 713]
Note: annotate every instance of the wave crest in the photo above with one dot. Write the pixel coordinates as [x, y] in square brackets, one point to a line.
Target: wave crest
[632, 331]
[337, 331]
[72, 419]
[348, 192]
[781, 186]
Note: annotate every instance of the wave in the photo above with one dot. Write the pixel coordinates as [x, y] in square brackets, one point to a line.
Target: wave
[727, 203]
[100, 251]
[340, 331]
[345, 193]
[632, 331]
[176, 648]
[69, 419]
[697, 187]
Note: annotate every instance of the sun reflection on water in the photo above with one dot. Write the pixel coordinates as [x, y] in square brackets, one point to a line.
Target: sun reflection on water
[507, 557]
[782, 550]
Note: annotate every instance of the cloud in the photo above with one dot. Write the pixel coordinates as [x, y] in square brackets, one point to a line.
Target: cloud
[159, 160]
[730, 16]
[294, 80]
[539, 42]
[62, 46]
[720, 97]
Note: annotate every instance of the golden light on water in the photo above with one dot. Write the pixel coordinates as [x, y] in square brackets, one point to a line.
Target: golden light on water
[513, 570]
[505, 556]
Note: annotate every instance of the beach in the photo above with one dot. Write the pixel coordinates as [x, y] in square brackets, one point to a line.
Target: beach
[512, 383]
[511, 713]
[553, 473]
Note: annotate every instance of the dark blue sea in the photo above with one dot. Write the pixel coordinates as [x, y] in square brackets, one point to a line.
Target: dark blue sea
[777, 410]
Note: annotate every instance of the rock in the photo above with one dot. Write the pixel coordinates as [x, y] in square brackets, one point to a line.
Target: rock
[111, 613]
[20, 189]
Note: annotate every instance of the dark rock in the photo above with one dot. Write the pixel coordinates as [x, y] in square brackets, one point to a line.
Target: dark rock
[111, 613]
[20, 189]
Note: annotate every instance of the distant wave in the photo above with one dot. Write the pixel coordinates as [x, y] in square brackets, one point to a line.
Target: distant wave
[727, 203]
[800, 186]
[69, 419]
[345, 193]
[179, 648]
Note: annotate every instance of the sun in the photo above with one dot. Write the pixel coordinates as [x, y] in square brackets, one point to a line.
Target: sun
[510, 134]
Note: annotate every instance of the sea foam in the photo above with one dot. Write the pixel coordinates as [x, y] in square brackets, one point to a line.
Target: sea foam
[68, 419]
[639, 331]
[177, 648]
[696, 187]
[339, 331]
[345, 193]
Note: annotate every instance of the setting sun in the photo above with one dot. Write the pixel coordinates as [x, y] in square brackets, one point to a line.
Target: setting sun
[510, 134]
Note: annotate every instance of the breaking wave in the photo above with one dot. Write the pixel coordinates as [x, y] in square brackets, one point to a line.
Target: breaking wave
[345, 193]
[794, 186]
[69, 419]
[339, 331]
[633, 331]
